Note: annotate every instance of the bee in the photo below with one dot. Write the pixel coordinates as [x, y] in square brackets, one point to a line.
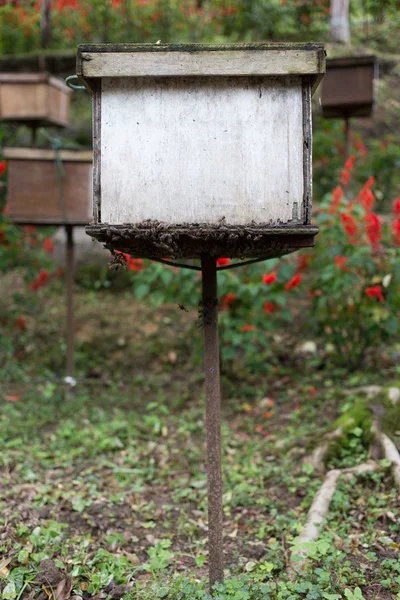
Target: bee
[117, 262]
[182, 307]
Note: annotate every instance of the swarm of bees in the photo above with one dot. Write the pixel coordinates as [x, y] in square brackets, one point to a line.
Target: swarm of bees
[117, 262]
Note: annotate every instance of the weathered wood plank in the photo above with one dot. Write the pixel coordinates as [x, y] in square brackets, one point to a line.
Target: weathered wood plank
[33, 97]
[159, 47]
[33, 194]
[43, 154]
[217, 63]
[307, 141]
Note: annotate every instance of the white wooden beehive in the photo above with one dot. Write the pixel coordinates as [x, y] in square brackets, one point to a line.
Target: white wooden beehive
[192, 141]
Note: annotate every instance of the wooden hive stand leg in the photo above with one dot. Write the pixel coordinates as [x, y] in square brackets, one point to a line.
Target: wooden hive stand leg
[70, 299]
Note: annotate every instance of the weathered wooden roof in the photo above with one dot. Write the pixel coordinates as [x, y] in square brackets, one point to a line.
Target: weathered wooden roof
[179, 60]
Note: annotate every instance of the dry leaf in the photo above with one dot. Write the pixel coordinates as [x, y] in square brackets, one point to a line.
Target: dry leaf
[133, 559]
[63, 590]
[4, 563]
[13, 398]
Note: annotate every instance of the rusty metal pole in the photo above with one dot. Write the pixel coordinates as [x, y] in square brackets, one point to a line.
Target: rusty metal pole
[70, 307]
[213, 418]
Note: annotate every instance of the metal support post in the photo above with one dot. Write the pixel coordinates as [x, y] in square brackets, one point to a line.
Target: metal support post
[213, 418]
[70, 308]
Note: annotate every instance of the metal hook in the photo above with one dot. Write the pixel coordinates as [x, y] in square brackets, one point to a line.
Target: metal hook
[72, 85]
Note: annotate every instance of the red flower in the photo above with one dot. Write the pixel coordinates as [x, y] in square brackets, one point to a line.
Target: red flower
[340, 261]
[13, 398]
[344, 180]
[360, 147]
[337, 196]
[270, 278]
[20, 322]
[135, 264]
[40, 280]
[366, 196]
[223, 262]
[247, 328]
[373, 228]
[269, 308]
[370, 181]
[376, 290]
[227, 300]
[349, 224]
[48, 245]
[67, 4]
[3, 165]
[313, 390]
[350, 162]
[296, 279]
[396, 229]
[302, 262]
[396, 207]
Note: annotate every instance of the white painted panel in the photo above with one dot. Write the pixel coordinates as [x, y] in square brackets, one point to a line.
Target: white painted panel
[199, 150]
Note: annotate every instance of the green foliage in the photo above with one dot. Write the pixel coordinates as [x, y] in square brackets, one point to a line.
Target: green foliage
[98, 21]
[347, 286]
[110, 485]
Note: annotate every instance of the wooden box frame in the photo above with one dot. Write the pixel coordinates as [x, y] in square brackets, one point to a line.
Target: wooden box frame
[98, 65]
[33, 186]
[34, 99]
[348, 87]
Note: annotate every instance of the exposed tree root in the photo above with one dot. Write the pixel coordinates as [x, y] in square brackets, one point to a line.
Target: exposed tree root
[317, 458]
[390, 451]
[368, 390]
[322, 500]
[318, 511]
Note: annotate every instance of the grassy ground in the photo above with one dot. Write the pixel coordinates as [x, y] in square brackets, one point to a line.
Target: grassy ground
[108, 481]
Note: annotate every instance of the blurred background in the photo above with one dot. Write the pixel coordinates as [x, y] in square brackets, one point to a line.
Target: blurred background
[91, 358]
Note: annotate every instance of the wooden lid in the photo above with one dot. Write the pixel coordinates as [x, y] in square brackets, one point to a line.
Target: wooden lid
[181, 60]
[46, 154]
[15, 78]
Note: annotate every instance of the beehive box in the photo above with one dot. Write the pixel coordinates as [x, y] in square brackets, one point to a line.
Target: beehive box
[34, 196]
[34, 98]
[202, 149]
[348, 87]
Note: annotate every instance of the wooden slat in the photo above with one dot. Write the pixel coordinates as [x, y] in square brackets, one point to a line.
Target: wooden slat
[218, 63]
[43, 154]
[33, 194]
[23, 78]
